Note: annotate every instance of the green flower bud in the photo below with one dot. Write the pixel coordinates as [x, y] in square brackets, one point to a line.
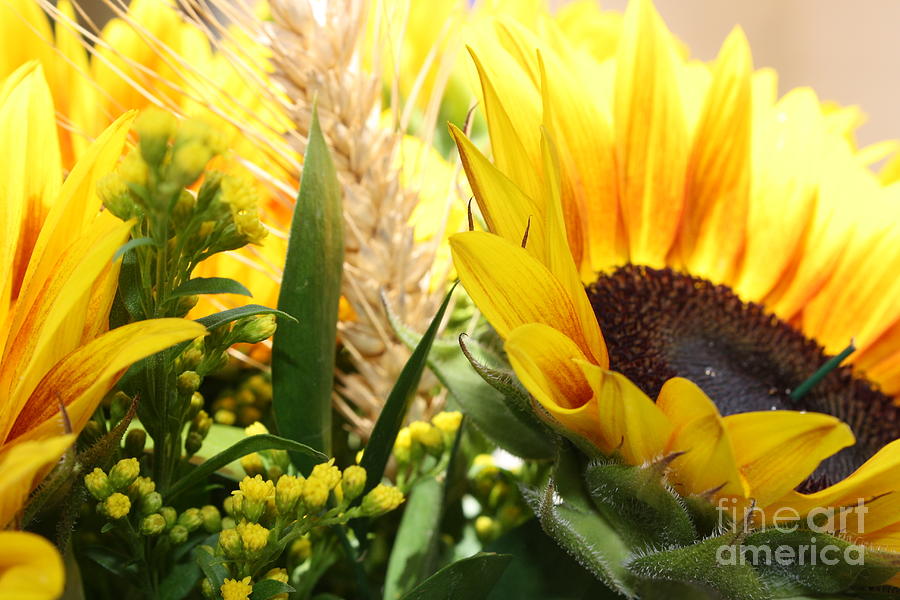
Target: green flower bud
[486, 529]
[192, 443]
[124, 473]
[188, 383]
[196, 405]
[135, 440]
[116, 506]
[97, 483]
[207, 589]
[228, 523]
[155, 128]
[253, 465]
[185, 304]
[353, 481]
[201, 423]
[153, 524]
[225, 417]
[255, 329]
[190, 519]
[228, 506]
[288, 491]
[301, 549]
[230, 543]
[170, 515]
[178, 534]
[151, 503]
[212, 519]
[381, 499]
[140, 488]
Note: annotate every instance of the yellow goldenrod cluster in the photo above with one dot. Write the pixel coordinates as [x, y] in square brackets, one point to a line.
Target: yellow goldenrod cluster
[496, 489]
[423, 447]
[246, 404]
[233, 589]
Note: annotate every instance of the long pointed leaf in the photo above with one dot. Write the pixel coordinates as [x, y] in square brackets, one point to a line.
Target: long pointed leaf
[378, 450]
[254, 443]
[471, 578]
[303, 352]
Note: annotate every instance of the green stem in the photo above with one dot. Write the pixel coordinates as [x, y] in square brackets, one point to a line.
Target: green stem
[822, 372]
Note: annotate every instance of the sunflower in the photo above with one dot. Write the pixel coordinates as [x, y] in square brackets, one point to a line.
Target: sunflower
[672, 251]
[57, 284]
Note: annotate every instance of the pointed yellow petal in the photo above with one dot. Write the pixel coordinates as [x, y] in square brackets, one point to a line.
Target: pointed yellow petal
[876, 483]
[698, 431]
[777, 450]
[651, 137]
[22, 466]
[505, 208]
[512, 289]
[630, 422]
[85, 375]
[543, 359]
[30, 567]
[718, 177]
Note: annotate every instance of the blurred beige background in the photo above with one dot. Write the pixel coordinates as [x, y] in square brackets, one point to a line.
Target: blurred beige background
[847, 51]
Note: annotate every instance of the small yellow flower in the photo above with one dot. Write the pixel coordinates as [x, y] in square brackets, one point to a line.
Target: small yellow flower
[353, 481]
[382, 499]
[257, 488]
[241, 198]
[327, 473]
[315, 494]
[256, 428]
[254, 536]
[253, 465]
[278, 574]
[116, 506]
[428, 436]
[403, 445]
[287, 493]
[233, 589]
[124, 473]
[231, 544]
[447, 421]
[97, 483]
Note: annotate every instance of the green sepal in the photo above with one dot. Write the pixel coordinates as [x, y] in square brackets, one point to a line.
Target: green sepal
[699, 565]
[707, 518]
[801, 561]
[644, 509]
[568, 515]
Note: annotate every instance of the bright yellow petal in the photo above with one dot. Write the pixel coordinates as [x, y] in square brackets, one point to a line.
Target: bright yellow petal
[85, 375]
[30, 567]
[651, 137]
[777, 450]
[543, 359]
[22, 466]
[630, 421]
[718, 178]
[708, 462]
[512, 289]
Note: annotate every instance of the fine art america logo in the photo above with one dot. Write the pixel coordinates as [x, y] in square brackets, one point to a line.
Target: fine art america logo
[813, 550]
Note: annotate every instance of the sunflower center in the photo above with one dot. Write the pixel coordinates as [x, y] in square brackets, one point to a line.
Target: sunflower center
[660, 324]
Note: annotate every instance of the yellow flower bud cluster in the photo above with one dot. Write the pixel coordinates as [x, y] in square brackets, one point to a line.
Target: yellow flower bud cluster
[382, 499]
[234, 589]
[497, 491]
[108, 489]
[246, 404]
[241, 198]
[421, 438]
[197, 430]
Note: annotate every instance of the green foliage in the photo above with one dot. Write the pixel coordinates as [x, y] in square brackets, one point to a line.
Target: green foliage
[471, 578]
[303, 352]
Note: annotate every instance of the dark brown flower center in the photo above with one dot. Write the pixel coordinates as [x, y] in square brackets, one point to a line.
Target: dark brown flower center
[660, 324]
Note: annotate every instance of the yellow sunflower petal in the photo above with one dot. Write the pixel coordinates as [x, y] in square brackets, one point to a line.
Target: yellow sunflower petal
[777, 450]
[512, 289]
[630, 422]
[22, 465]
[543, 359]
[651, 136]
[718, 178]
[30, 567]
[88, 372]
[708, 461]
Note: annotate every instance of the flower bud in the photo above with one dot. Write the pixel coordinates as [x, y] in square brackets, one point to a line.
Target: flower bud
[403, 446]
[253, 465]
[212, 518]
[185, 304]
[277, 574]
[124, 473]
[381, 499]
[190, 519]
[192, 443]
[254, 538]
[486, 529]
[153, 524]
[154, 127]
[97, 483]
[208, 592]
[256, 428]
[201, 423]
[447, 422]
[429, 436]
[225, 417]
[254, 329]
[300, 550]
[170, 515]
[288, 491]
[196, 405]
[178, 534]
[116, 506]
[151, 503]
[188, 383]
[232, 589]
[116, 196]
[353, 481]
[329, 474]
[315, 495]
[135, 441]
[230, 543]
[256, 491]
[140, 488]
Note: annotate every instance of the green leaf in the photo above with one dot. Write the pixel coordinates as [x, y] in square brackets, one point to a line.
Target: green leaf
[130, 245]
[233, 314]
[267, 588]
[254, 443]
[511, 425]
[179, 582]
[471, 578]
[381, 443]
[415, 538]
[210, 285]
[303, 352]
[213, 567]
